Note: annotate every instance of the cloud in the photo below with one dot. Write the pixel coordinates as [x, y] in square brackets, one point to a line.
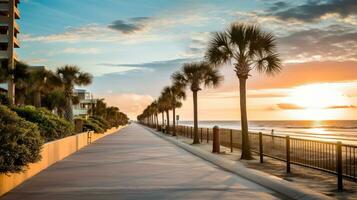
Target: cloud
[130, 26]
[94, 33]
[279, 5]
[36, 61]
[342, 107]
[197, 46]
[289, 106]
[314, 10]
[333, 43]
[150, 29]
[175, 63]
[81, 51]
[144, 78]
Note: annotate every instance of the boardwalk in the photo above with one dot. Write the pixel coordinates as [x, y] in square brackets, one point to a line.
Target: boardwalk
[135, 164]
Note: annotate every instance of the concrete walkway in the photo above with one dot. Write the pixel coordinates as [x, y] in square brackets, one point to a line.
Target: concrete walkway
[135, 164]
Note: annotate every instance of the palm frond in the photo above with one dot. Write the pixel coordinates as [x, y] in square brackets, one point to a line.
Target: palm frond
[270, 64]
[218, 51]
[84, 78]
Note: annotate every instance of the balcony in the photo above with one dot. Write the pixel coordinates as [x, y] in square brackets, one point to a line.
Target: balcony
[4, 55]
[4, 21]
[80, 111]
[4, 38]
[4, 7]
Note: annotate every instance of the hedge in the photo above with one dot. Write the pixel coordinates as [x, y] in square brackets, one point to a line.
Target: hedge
[103, 123]
[51, 126]
[4, 100]
[20, 142]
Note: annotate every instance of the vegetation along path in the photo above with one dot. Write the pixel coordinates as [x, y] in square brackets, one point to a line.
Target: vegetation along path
[135, 164]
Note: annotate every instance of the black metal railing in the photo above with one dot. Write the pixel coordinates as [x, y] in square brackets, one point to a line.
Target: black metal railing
[332, 157]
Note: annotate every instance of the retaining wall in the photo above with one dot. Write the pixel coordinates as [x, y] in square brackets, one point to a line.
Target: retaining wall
[51, 153]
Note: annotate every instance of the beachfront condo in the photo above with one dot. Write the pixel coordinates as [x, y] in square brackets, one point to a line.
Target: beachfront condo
[86, 102]
[9, 30]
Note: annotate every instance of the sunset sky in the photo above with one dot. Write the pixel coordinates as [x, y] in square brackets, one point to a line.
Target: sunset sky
[132, 48]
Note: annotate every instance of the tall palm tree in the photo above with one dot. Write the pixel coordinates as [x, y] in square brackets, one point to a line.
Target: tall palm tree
[155, 109]
[174, 94]
[161, 109]
[42, 81]
[20, 77]
[248, 48]
[166, 106]
[55, 101]
[70, 76]
[99, 108]
[195, 76]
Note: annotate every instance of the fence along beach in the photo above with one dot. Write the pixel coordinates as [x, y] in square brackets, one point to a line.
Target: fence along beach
[328, 156]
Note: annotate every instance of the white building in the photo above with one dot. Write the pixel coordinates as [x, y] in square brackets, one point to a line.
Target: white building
[86, 102]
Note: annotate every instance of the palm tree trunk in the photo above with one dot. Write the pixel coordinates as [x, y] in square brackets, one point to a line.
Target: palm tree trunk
[168, 122]
[157, 121]
[163, 118]
[246, 153]
[68, 115]
[173, 122]
[196, 139]
[11, 88]
[37, 100]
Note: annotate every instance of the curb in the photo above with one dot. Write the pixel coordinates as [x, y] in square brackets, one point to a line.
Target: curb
[281, 186]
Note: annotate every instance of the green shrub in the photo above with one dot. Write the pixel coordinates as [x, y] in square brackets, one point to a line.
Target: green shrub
[103, 123]
[51, 126]
[20, 142]
[92, 125]
[4, 100]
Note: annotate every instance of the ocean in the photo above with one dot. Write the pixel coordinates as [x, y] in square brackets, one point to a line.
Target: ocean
[329, 130]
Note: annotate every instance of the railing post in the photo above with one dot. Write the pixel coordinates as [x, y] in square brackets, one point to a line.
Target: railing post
[231, 139]
[191, 132]
[288, 154]
[216, 143]
[261, 147]
[339, 166]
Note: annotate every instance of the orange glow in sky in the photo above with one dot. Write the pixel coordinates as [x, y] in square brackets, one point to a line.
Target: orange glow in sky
[318, 96]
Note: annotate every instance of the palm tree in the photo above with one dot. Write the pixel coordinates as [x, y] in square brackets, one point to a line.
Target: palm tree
[99, 108]
[174, 94]
[248, 48]
[194, 76]
[166, 106]
[18, 76]
[55, 101]
[112, 115]
[20, 79]
[161, 109]
[42, 81]
[154, 108]
[70, 76]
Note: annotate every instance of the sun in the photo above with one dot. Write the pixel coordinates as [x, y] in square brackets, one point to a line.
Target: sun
[318, 96]
[317, 102]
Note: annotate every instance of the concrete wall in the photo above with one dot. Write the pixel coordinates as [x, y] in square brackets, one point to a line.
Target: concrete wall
[51, 153]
